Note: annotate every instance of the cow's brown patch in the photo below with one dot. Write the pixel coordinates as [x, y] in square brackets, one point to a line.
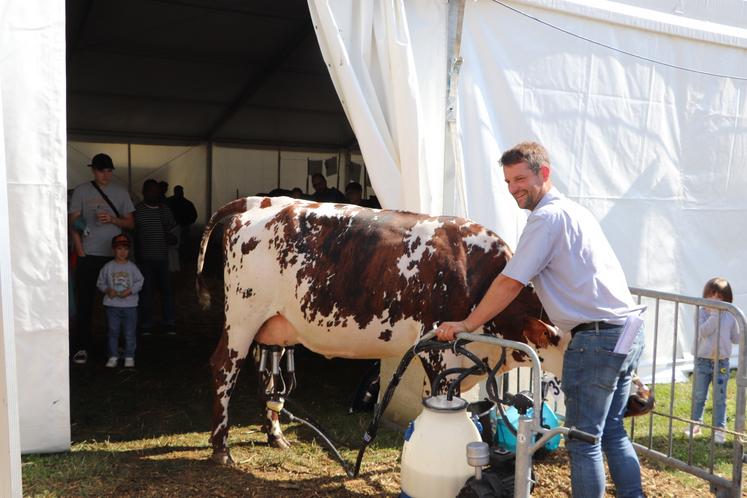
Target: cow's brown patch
[266, 202]
[386, 335]
[249, 245]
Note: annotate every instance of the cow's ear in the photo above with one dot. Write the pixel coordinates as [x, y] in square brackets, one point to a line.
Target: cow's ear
[540, 333]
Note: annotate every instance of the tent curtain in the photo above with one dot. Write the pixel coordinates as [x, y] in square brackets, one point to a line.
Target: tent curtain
[387, 61]
[32, 96]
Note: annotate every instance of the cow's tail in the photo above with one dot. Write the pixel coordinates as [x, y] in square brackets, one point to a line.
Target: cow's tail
[231, 209]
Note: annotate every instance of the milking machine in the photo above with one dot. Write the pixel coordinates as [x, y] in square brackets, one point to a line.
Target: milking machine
[445, 453]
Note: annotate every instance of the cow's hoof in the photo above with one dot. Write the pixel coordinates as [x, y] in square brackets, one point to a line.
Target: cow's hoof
[222, 458]
[278, 442]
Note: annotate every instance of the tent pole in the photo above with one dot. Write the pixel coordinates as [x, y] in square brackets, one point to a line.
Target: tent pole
[278, 168]
[10, 439]
[209, 180]
[453, 167]
[129, 168]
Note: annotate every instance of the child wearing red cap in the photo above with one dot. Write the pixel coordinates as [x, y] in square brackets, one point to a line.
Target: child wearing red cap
[121, 281]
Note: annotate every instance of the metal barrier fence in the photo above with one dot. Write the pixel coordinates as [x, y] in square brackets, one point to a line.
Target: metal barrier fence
[665, 367]
[668, 455]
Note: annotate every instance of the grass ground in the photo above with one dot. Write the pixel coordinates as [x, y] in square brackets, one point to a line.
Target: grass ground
[144, 432]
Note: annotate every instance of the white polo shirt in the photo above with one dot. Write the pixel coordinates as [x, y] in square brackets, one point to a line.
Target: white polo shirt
[565, 254]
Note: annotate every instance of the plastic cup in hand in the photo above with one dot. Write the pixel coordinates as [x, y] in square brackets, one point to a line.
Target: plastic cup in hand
[101, 216]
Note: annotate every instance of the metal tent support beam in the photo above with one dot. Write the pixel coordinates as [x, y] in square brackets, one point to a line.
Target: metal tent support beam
[10, 443]
[454, 187]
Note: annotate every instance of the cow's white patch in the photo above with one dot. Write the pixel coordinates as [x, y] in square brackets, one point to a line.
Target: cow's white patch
[481, 239]
[416, 242]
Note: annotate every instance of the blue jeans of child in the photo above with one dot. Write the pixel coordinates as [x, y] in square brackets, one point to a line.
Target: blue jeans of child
[596, 384]
[703, 377]
[124, 320]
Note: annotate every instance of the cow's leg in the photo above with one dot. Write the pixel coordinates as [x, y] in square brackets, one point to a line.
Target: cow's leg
[225, 364]
[271, 389]
[275, 338]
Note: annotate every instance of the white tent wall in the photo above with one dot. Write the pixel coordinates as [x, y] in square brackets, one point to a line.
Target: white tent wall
[656, 153]
[239, 172]
[32, 97]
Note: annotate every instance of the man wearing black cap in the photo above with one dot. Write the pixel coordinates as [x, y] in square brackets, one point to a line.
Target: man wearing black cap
[98, 211]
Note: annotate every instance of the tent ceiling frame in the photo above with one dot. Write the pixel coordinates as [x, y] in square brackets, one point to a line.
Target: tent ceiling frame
[156, 139]
[273, 64]
[185, 100]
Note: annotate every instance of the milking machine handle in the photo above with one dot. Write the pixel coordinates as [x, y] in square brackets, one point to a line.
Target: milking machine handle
[574, 433]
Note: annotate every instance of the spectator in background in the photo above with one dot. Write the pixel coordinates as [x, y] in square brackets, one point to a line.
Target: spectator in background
[98, 211]
[297, 193]
[354, 195]
[185, 215]
[322, 193]
[717, 331]
[163, 189]
[153, 223]
[120, 281]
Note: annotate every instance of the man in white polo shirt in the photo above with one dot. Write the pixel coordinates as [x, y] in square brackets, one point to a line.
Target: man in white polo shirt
[581, 285]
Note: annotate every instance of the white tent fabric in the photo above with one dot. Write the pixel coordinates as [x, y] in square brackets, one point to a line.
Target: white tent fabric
[10, 442]
[32, 97]
[387, 61]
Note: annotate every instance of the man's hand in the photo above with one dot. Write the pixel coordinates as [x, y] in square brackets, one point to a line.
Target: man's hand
[111, 293]
[447, 331]
[125, 293]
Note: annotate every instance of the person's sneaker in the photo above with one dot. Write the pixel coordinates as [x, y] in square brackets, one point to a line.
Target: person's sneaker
[112, 362]
[696, 431]
[146, 332]
[129, 362]
[170, 331]
[80, 357]
[719, 437]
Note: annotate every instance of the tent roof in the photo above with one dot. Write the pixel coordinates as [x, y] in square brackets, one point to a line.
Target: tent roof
[196, 70]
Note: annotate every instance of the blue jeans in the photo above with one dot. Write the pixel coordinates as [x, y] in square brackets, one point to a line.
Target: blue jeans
[596, 384]
[703, 377]
[124, 319]
[156, 274]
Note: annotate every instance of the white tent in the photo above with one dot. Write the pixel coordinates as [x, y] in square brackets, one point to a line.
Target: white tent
[641, 105]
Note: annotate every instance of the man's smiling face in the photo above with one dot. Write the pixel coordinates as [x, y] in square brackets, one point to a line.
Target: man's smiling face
[525, 185]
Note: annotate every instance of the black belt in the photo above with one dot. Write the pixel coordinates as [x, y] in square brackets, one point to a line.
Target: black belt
[593, 326]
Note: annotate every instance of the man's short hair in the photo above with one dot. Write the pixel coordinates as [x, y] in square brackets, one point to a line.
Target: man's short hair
[531, 153]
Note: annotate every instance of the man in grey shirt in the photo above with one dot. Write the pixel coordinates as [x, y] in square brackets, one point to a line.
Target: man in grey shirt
[93, 222]
[581, 285]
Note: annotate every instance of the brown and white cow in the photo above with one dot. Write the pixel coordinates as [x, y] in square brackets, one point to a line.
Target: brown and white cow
[353, 282]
